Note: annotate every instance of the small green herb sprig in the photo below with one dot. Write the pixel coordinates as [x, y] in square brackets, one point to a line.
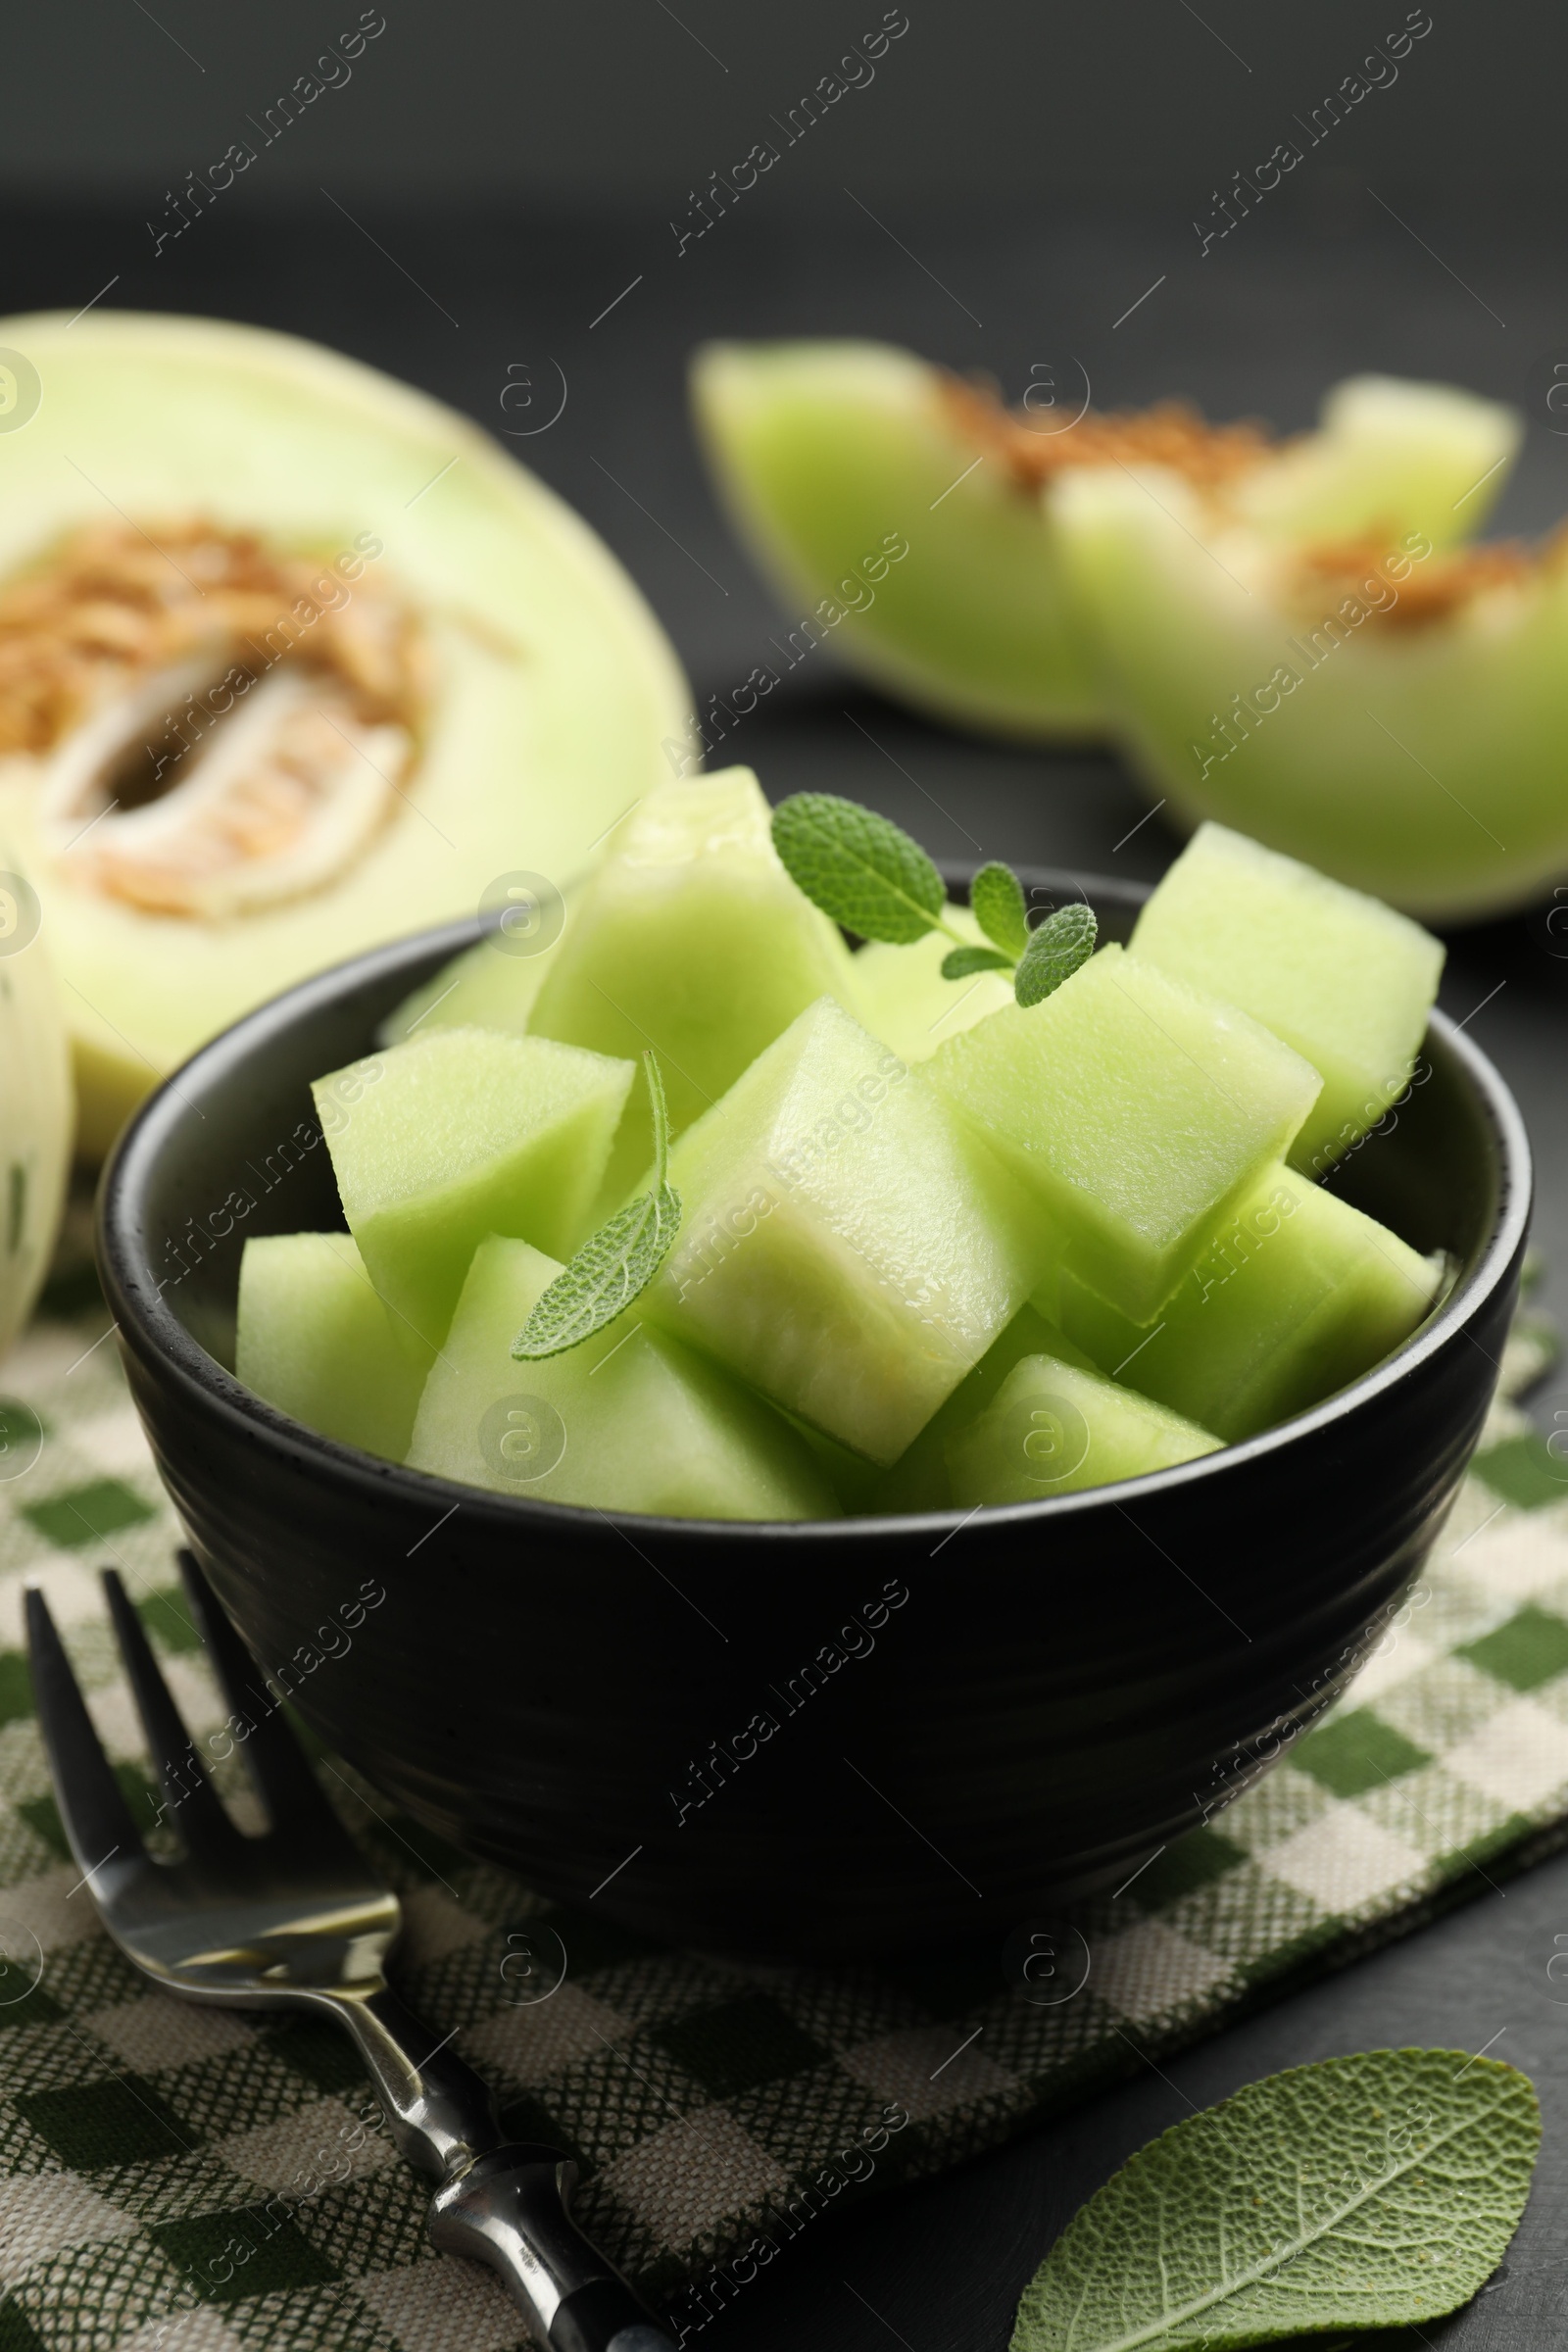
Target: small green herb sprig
[1374, 2191]
[615, 1264]
[869, 874]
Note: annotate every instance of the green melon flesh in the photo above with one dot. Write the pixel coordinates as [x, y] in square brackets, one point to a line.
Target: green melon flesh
[314, 1340]
[831, 457]
[1418, 758]
[483, 988]
[551, 685]
[631, 1420]
[437, 1143]
[899, 995]
[691, 938]
[1389, 456]
[921, 1480]
[1298, 1295]
[1137, 1114]
[846, 1247]
[1054, 1429]
[832, 453]
[1339, 976]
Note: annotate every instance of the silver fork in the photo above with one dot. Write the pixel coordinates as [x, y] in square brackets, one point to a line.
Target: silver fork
[294, 1919]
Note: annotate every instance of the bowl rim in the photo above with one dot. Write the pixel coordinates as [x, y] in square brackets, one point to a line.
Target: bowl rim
[148, 1325]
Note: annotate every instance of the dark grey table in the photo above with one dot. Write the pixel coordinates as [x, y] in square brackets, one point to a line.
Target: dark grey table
[1326, 284]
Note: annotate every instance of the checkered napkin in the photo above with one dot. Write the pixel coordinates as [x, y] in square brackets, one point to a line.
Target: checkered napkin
[184, 2180]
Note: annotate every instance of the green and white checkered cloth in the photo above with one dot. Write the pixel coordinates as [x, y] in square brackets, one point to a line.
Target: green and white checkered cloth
[183, 2179]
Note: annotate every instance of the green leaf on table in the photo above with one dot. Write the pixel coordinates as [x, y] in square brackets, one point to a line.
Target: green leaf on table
[1371, 2191]
[959, 962]
[996, 900]
[1062, 942]
[615, 1263]
[858, 867]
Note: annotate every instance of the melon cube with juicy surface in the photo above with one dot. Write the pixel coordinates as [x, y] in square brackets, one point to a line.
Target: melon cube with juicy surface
[1136, 1111]
[921, 1480]
[628, 1421]
[1339, 976]
[314, 1340]
[689, 938]
[1054, 1429]
[847, 1247]
[1296, 1295]
[462, 1132]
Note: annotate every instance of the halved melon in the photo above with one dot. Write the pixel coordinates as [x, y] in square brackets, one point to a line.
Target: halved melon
[292, 660]
[909, 517]
[1392, 716]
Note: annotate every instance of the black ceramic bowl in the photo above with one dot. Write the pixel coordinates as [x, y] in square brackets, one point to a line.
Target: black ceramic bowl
[972, 1718]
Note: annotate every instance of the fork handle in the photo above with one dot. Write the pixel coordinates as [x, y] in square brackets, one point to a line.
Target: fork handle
[509, 2210]
[498, 2202]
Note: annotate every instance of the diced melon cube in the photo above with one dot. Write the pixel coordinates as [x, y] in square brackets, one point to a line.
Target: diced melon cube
[1136, 1111]
[919, 1480]
[628, 1421]
[314, 1340]
[691, 938]
[1296, 1295]
[459, 1133]
[483, 988]
[1339, 976]
[1054, 1429]
[899, 995]
[846, 1245]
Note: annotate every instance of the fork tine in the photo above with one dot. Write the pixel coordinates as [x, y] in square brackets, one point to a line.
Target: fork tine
[189, 1798]
[97, 1819]
[288, 1787]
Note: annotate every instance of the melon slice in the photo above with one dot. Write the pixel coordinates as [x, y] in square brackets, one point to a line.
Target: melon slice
[1387, 455]
[1339, 976]
[1137, 1114]
[691, 938]
[1054, 1429]
[1392, 716]
[921, 1480]
[846, 1247]
[339, 661]
[629, 1421]
[461, 1134]
[1296, 1295]
[898, 993]
[910, 520]
[314, 1340]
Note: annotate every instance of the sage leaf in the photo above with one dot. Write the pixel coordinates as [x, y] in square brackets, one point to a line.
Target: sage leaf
[615, 1264]
[960, 962]
[861, 868]
[996, 900]
[1371, 2191]
[1062, 942]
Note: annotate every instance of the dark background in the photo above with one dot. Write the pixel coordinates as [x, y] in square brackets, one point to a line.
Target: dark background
[462, 212]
